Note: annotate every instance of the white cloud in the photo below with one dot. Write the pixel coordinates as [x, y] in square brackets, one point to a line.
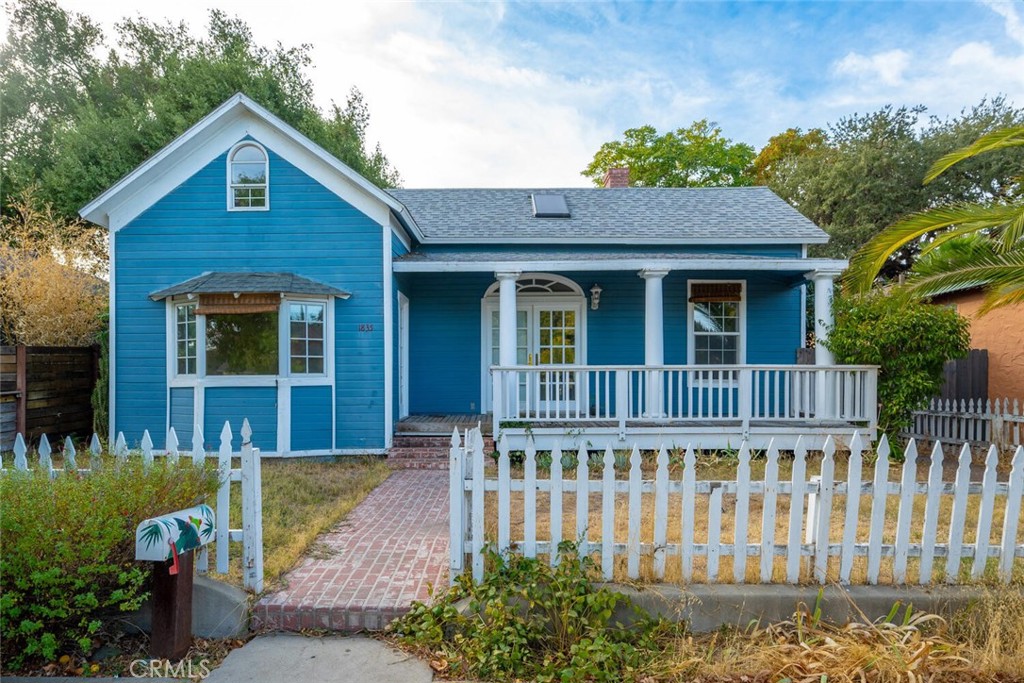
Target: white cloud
[457, 98]
[1008, 10]
[887, 67]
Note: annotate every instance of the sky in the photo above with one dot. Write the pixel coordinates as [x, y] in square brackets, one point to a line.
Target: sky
[518, 94]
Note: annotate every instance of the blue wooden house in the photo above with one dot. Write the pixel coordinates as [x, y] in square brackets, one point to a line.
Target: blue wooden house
[255, 275]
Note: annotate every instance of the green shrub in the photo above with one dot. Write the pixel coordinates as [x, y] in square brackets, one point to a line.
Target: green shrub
[67, 561]
[909, 340]
[529, 621]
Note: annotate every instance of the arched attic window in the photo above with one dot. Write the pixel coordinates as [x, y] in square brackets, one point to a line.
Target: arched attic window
[248, 178]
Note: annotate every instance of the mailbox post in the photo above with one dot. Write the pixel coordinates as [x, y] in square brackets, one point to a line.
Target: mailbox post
[170, 542]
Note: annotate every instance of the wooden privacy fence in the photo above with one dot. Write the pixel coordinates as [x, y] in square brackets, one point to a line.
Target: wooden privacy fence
[978, 422]
[251, 533]
[816, 528]
[46, 390]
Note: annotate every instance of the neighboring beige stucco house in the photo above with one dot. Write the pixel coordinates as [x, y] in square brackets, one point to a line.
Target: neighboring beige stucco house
[1001, 332]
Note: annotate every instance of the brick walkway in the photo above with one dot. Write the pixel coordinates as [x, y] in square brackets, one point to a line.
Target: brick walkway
[387, 552]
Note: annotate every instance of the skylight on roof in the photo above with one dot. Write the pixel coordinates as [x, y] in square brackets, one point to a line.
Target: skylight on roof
[549, 205]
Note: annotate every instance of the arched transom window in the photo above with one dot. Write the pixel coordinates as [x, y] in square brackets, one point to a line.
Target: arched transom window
[541, 284]
[248, 178]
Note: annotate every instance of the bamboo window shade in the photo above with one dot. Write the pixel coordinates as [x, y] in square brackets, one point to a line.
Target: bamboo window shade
[227, 304]
[715, 291]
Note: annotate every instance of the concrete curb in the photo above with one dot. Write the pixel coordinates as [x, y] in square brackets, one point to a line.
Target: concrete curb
[219, 610]
[709, 607]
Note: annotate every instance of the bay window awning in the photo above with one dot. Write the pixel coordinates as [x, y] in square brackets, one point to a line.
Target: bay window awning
[223, 289]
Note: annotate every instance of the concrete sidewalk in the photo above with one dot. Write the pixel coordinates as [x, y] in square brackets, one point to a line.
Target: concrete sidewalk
[286, 658]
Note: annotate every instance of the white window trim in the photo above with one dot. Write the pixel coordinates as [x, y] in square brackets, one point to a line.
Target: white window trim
[283, 354]
[172, 340]
[741, 353]
[231, 194]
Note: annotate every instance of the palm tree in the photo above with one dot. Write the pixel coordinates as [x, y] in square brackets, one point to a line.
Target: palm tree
[973, 245]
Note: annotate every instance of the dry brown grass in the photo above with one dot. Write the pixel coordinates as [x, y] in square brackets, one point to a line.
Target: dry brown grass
[301, 500]
[50, 290]
[991, 633]
[724, 468]
[803, 649]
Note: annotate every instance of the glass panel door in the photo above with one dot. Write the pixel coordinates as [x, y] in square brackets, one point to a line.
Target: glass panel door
[556, 345]
[545, 335]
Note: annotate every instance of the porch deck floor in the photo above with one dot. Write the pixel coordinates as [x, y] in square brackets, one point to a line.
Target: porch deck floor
[444, 424]
[373, 565]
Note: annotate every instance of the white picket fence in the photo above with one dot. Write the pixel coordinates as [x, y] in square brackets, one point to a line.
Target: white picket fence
[978, 422]
[810, 535]
[251, 533]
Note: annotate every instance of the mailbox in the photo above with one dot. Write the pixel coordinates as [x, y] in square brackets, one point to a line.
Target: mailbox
[162, 538]
[169, 542]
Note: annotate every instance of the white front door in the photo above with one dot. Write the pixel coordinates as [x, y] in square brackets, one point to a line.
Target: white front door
[546, 334]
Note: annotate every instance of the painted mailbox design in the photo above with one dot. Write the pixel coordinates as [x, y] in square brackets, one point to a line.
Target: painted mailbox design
[163, 538]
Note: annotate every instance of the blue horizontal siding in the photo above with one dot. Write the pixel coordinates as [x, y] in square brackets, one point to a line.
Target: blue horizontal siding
[183, 415]
[308, 230]
[444, 346]
[311, 418]
[235, 404]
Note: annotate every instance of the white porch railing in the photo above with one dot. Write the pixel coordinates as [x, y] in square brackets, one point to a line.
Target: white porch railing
[684, 393]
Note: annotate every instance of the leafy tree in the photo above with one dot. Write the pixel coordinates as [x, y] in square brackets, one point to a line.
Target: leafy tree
[910, 341]
[51, 291]
[967, 245]
[863, 179]
[79, 115]
[866, 175]
[698, 156]
[783, 150]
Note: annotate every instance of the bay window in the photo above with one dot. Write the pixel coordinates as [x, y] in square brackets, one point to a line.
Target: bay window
[249, 336]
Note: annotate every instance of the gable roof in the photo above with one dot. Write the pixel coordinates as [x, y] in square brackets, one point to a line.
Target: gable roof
[634, 215]
[210, 137]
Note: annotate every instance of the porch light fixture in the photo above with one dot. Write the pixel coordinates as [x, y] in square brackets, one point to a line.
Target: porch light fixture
[595, 297]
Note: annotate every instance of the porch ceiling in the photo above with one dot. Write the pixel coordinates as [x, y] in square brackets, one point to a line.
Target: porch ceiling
[418, 262]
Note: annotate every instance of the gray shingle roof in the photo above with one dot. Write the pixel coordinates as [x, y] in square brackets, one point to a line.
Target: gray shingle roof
[219, 283]
[636, 215]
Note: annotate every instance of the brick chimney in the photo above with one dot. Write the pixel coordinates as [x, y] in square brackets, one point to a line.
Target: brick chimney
[617, 177]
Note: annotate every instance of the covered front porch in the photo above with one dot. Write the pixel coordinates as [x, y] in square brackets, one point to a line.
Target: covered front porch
[676, 406]
[626, 348]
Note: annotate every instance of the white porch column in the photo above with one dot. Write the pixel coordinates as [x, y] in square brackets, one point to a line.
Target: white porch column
[507, 316]
[823, 289]
[654, 316]
[825, 389]
[502, 396]
[654, 335]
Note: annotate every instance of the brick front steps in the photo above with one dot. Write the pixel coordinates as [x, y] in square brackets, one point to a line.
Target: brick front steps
[369, 569]
[424, 451]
